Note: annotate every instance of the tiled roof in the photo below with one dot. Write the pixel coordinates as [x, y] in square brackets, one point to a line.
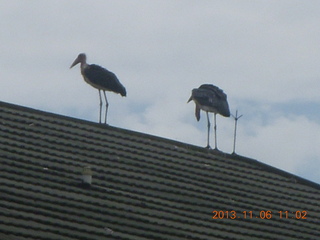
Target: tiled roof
[143, 187]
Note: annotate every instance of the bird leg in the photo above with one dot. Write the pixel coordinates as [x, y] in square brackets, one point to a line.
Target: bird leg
[208, 145]
[215, 131]
[107, 105]
[100, 106]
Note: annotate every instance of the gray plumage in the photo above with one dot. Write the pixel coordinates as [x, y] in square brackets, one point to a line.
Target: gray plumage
[210, 98]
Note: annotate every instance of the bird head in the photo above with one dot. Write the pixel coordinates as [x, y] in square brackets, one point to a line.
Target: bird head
[192, 95]
[80, 59]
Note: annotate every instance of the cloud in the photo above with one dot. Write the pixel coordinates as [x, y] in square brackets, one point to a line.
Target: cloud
[288, 143]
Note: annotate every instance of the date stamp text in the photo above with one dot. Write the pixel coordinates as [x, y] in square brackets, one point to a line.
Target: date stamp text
[264, 214]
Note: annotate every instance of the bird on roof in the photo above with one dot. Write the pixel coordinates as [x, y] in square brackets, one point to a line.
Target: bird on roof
[100, 78]
[210, 98]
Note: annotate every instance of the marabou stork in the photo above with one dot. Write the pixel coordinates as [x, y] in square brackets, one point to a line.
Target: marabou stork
[100, 78]
[210, 98]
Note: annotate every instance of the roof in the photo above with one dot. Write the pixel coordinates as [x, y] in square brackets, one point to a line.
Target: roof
[143, 186]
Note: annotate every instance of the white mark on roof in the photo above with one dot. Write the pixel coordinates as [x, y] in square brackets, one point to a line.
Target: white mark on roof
[108, 230]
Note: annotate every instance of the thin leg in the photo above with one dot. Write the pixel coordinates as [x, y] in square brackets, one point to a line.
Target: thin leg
[215, 131]
[100, 106]
[208, 141]
[107, 105]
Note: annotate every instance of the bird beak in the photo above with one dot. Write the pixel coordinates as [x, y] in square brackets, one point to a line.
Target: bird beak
[189, 99]
[75, 62]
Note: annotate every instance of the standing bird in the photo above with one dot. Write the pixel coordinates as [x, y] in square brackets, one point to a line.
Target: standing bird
[210, 98]
[100, 78]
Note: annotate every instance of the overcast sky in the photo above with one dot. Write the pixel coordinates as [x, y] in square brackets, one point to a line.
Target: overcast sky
[264, 55]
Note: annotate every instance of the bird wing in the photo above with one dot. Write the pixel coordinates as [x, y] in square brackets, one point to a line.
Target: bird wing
[101, 78]
[214, 91]
[211, 98]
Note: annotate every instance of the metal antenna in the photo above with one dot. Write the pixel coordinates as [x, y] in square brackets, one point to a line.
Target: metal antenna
[236, 118]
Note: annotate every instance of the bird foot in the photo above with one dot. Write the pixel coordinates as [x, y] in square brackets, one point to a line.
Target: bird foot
[212, 149]
[104, 123]
[216, 149]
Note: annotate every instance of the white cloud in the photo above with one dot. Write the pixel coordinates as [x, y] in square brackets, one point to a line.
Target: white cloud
[287, 143]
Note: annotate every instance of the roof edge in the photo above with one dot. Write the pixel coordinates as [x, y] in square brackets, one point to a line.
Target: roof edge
[291, 177]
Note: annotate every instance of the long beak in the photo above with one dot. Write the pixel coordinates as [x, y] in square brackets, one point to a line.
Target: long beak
[189, 99]
[75, 62]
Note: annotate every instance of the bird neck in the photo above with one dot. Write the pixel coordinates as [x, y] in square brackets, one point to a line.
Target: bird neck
[83, 66]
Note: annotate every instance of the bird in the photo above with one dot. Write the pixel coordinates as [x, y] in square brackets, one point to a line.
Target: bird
[210, 98]
[101, 79]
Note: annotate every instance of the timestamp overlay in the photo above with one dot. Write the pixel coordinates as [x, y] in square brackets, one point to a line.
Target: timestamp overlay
[263, 214]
